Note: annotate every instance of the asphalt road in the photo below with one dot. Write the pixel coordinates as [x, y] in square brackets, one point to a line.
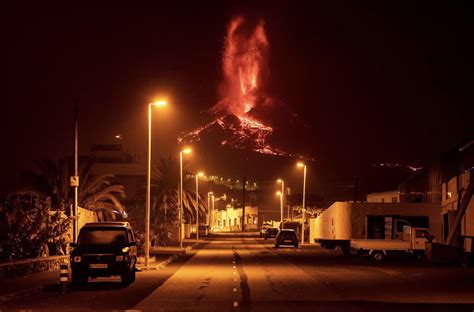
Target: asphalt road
[243, 273]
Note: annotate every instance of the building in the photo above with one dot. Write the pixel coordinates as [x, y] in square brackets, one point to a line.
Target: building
[230, 219]
[384, 197]
[458, 172]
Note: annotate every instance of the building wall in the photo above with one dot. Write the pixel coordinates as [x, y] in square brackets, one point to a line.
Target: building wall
[452, 192]
[230, 219]
[384, 197]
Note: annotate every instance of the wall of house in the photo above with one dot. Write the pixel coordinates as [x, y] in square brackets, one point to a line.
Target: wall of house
[230, 219]
[451, 198]
[384, 197]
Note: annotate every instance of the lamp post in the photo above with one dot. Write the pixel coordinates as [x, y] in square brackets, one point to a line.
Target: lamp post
[184, 151]
[199, 174]
[302, 165]
[209, 212]
[161, 103]
[282, 194]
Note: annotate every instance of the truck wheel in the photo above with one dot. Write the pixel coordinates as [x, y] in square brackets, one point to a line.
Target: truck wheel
[378, 255]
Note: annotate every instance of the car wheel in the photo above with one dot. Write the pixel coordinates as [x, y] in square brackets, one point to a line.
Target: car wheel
[132, 275]
[125, 277]
[78, 279]
[378, 255]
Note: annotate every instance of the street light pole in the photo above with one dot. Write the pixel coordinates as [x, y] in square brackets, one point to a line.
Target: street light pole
[197, 205]
[148, 182]
[185, 151]
[304, 201]
[282, 194]
[210, 214]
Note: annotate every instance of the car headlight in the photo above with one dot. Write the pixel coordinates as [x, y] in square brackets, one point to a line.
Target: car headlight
[77, 258]
[125, 249]
[119, 258]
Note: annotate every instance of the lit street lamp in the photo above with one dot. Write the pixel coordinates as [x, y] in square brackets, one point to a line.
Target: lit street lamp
[302, 165]
[282, 195]
[184, 151]
[199, 174]
[160, 104]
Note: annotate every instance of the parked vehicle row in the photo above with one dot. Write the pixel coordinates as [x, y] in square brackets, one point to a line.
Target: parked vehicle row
[284, 237]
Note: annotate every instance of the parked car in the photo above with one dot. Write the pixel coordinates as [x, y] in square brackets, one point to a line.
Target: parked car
[104, 249]
[264, 228]
[286, 237]
[271, 233]
[203, 230]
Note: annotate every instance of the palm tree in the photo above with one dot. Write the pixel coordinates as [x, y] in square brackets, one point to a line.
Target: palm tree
[50, 178]
[164, 195]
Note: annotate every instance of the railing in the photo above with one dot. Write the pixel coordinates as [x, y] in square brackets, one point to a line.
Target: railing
[25, 267]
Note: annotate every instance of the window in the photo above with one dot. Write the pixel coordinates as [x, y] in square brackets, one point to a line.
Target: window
[130, 236]
[422, 234]
[100, 237]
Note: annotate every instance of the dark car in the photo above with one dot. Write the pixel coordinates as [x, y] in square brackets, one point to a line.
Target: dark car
[104, 249]
[286, 237]
[271, 233]
[203, 230]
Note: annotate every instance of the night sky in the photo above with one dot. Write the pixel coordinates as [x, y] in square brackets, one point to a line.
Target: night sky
[376, 82]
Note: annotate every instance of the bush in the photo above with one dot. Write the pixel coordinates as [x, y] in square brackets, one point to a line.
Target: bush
[29, 229]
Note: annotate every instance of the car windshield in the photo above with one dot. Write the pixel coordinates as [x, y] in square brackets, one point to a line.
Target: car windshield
[102, 237]
[287, 235]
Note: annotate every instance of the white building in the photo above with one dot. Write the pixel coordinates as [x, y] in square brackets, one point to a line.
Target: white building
[230, 219]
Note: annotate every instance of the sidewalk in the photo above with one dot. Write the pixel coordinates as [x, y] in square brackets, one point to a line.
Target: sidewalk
[17, 287]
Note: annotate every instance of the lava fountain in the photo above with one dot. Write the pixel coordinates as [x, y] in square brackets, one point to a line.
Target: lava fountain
[239, 113]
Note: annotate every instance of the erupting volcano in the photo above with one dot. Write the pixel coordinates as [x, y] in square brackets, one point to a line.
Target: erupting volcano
[246, 114]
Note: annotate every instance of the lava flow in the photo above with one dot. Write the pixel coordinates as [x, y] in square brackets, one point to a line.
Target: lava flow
[239, 114]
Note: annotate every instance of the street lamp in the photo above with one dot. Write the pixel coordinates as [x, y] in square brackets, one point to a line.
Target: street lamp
[210, 214]
[159, 104]
[282, 194]
[302, 165]
[199, 174]
[184, 151]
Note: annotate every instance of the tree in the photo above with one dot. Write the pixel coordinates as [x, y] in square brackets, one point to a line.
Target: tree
[29, 228]
[50, 178]
[164, 195]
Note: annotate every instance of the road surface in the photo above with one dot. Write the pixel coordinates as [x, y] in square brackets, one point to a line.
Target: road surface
[236, 272]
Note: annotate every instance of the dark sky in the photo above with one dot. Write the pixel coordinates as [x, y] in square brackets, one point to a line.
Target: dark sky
[377, 82]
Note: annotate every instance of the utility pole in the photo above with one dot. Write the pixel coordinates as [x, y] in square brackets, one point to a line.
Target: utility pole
[356, 186]
[244, 182]
[74, 180]
[288, 193]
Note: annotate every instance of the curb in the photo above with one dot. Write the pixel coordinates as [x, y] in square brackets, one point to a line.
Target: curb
[160, 265]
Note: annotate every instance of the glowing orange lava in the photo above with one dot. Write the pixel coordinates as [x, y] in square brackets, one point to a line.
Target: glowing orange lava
[244, 65]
